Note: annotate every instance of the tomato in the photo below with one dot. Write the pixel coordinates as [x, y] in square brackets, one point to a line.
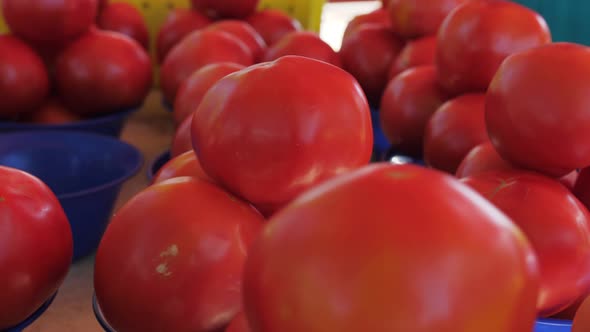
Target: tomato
[379, 16]
[24, 81]
[419, 52]
[570, 312]
[185, 164]
[285, 141]
[480, 159]
[197, 50]
[472, 43]
[556, 224]
[367, 53]
[45, 22]
[126, 19]
[239, 324]
[54, 112]
[582, 187]
[303, 43]
[418, 18]
[549, 133]
[103, 72]
[455, 128]
[273, 24]
[181, 142]
[408, 102]
[172, 258]
[244, 32]
[193, 89]
[569, 180]
[417, 250]
[102, 4]
[226, 8]
[35, 242]
[582, 318]
[179, 24]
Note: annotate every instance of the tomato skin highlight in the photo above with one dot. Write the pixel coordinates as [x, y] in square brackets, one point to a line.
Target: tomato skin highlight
[186, 164]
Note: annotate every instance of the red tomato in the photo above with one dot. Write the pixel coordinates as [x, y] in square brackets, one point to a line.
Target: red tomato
[35, 242]
[179, 24]
[285, 141]
[45, 22]
[303, 43]
[239, 324]
[582, 318]
[226, 8]
[582, 187]
[480, 159]
[24, 81]
[419, 52]
[367, 53]
[126, 19]
[181, 142]
[408, 102]
[419, 18]
[303, 274]
[197, 50]
[455, 128]
[102, 4]
[244, 32]
[472, 43]
[570, 312]
[185, 164]
[570, 179]
[193, 89]
[172, 258]
[550, 132]
[54, 112]
[103, 72]
[555, 223]
[273, 24]
[379, 17]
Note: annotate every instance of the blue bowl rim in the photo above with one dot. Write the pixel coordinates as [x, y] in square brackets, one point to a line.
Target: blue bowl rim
[31, 319]
[554, 322]
[136, 154]
[78, 124]
[99, 316]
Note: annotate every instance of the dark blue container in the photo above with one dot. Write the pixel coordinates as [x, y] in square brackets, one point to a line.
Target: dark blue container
[85, 171]
[22, 326]
[156, 164]
[380, 143]
[109, 125]
[553, 325]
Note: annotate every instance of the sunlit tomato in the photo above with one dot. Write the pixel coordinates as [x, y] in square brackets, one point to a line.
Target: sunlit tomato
[181, 142]
[103, 72]
[54, 112]
[125, 18]
[179, 24]
[582, 318]
[455, 128]
[197, 50]
[419, 18]
[472, 43]
[226, 8]
[273, 24]
[303, 43]
[185, 164]
[582, 187]
[239, 324]
[244, 32]
[536, 112]
[367, 53]
[35, 242]
[419, 52]
[45, 22]
[24, 81]
[172, 258]
[556, 224]
[303, 274]
[285, 141]
[379, 17]
[191, 91]
[480, 159]
[408, 102]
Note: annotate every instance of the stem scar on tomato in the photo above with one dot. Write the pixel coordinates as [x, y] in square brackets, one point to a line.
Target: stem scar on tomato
[2, 199]
[503, 185]
[400, 175]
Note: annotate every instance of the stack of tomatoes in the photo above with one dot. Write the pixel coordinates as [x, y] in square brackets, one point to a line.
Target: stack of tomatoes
[65, 62]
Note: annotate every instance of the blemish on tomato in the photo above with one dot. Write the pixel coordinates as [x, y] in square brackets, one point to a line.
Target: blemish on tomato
[400, 175]
[503, 185]
[163, 270]
[2, 199]
[171, 251]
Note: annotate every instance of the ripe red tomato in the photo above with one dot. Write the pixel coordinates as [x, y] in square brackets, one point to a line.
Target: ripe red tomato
[102, 4]
[419, 52]
[185, 240]
[24, 81]
[303, 274]
[472, 43]
[125, 18]
[193, 89]
[197, 50]
[480, 159]
[35, 242]
[285, 141]
[556, 224]
[185, 164]
[54, 112]
[455, 128]
[45, 22]
[244, 32]
[103, 72]
[408, 102]
[179, 24]
[550, 132]
[303, 43]
[273, 24]
[569, 180]
[367, 53]
[582, 187]
[226, 8]
[379, 17]
[239, 324]
[582, 318]
[570, 312]
[181, 142]
[418, 18]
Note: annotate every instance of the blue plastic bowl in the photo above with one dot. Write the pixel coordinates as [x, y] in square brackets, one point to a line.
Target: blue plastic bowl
[156, 164]
[22, 326]
[85, 171]
[380, 143]
[110, 125]
[553, 325]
